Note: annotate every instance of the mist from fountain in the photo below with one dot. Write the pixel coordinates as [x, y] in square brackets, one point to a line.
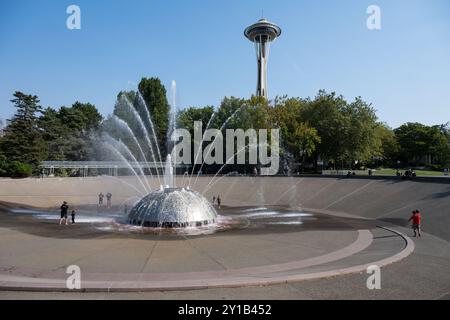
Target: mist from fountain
[215, 136]
[124, 126]
[138, 118]
[127, 162]
[169, 206]
[119, 145]
[152, 127]
[168, 173]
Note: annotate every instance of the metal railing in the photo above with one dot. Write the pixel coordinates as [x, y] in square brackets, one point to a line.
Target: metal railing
[99, 164]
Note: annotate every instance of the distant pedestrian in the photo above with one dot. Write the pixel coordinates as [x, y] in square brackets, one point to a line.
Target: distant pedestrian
[73, 216]
[214, 200]
[219, 201]
[100, 199]
[108, 199]
[64, 209]
[125, 209]
[416, 222]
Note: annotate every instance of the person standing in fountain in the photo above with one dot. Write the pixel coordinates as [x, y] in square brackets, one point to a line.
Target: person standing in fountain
[73, 216]
[64, 209]
[218, 201]
[100, 199]
[108, 199]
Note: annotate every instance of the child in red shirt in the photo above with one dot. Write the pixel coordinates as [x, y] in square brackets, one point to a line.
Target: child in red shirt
[416, 221]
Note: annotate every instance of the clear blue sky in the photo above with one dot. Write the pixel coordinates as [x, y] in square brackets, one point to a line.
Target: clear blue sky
[403, 69]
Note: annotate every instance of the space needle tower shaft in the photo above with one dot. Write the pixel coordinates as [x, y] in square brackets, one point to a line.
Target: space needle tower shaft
[262, 34]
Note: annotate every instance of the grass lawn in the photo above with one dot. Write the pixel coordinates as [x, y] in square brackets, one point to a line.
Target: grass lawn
[418, 172]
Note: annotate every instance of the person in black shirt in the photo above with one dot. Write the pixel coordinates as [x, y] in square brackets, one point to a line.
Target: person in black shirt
[219, 201]
[64, 209]
[100, 199]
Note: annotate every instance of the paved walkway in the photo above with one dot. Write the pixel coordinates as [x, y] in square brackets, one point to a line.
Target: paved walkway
[236, 263]
[236, 258]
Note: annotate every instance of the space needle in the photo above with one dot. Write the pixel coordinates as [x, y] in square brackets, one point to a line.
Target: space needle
[262, 33]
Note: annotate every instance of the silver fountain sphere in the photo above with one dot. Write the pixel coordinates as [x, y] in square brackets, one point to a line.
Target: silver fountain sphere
[173, 208]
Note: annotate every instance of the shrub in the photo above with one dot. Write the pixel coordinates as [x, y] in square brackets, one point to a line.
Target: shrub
[17, 169]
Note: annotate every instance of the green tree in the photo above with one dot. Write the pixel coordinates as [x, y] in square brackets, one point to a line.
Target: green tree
[123, 116]
[187, 117]
[2, 124]
[154, 94]
[228, 113]
[22, 140]
[385, 146]
[305, 140]
[347, 131]
[53, 133]
[325, 114]
[67, 131]
[360, 136]
[422, 145]
[91, 117]
[17, 169]
[122, 108]
[3, 165]
[255, 114]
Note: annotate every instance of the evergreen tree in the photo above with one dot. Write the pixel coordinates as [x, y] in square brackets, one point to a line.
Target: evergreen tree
[154, 94]
[67, 131]
[22, 140]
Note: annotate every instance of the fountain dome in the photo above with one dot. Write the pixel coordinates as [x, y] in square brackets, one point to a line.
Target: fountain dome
[172, 208]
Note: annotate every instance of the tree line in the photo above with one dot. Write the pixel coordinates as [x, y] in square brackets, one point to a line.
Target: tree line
[329, 132]
[326, 131]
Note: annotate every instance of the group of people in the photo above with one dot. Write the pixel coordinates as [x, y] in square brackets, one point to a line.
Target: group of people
[219, 201]
[407, 174]
[101, 196]
[64, 214]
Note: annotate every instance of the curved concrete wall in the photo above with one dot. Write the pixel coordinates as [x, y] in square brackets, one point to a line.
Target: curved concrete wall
[388, 199]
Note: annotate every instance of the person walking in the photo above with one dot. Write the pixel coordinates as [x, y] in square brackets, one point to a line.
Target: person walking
[73, 216]
[214, 200]
[108, 199]
[64, 209]
[100, 199]
[416, 222]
